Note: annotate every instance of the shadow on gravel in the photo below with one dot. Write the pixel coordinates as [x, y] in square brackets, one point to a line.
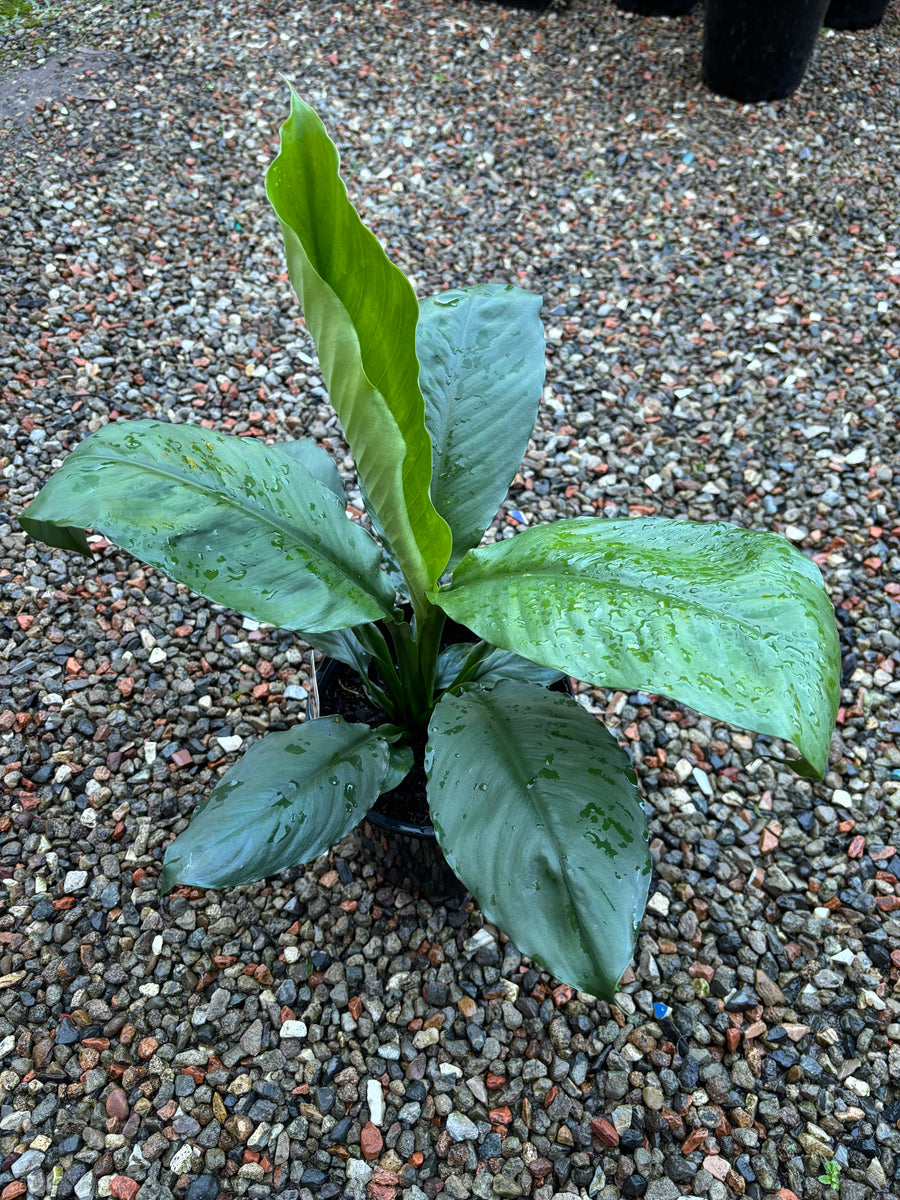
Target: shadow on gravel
[79, 75]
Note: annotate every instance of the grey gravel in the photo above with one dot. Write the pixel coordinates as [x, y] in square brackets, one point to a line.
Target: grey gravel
[720, 299]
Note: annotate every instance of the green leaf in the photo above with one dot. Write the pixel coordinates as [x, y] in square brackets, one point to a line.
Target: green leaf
[317, 461]
[343, 645]
[388, 558]
[535, 807]
[481, 354]
[494, 666]
[237, 521]
[290, 798]
[732, 622]
[55, 535]
[361, 312]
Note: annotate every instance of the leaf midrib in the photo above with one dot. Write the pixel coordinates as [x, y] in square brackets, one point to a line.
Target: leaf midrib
[556, 843]
[554, 573]
[264, 516]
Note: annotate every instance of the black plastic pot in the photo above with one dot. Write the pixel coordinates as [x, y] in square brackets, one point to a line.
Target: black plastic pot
[757, 50]
[408, 857]
[855, 14]
[657, 8]
[402, 845]
[397, 833]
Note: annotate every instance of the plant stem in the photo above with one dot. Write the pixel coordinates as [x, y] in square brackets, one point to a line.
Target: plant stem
[476, 655]
[417, 667]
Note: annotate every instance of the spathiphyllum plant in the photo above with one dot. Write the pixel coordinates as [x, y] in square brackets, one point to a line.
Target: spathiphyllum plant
[533, 801]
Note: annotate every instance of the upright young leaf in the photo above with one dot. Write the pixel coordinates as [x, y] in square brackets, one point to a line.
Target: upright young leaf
[362, 314]
[733, 622]
[239, 522]
[535, 807]
[481, 356]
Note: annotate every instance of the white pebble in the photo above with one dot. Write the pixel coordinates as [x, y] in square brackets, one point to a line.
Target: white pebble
[375, 1101]
[293, 1029]
[658, 904]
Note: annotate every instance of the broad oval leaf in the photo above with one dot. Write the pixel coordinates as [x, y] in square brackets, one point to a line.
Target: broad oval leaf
[290, 798]
[317, 461]
[481, 356]
[345, 646]
[730, 621]
[239, 522]
[536, 809]
[361, 312]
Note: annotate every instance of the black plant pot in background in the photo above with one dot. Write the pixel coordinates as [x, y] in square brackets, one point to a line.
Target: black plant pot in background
[756, 50]
[855, 14]
[657, 8]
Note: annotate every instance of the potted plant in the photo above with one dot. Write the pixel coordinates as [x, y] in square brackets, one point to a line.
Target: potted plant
[756, 50]
[533, 800]
[855, 14]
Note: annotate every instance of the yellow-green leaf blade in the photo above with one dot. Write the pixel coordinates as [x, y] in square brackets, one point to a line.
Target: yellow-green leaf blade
[362, 314]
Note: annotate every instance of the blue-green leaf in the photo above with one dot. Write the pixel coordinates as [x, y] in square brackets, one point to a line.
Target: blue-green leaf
[290, 798]
[239, 522]
[536, 810]
[317, 461]
[481, 355]
[492, 667]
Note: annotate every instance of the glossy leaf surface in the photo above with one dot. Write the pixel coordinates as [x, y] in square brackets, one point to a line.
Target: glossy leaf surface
[731, 622]
[237, 521]
[494, 666]
[317, 461]
[362, 313]
[481, 355]
[290, 798]
[535, 807]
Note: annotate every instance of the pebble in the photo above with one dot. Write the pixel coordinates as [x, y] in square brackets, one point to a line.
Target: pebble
[375, 1101]
[371, 1141]
[460, 1128]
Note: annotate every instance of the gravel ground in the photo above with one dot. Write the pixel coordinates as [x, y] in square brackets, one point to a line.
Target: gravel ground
[720, 291]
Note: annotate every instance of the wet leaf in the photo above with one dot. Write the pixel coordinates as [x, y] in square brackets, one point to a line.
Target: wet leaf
[535, 807]
[732, 622]
[362, 313]
[496, 665]
[481, 351]
[290, 798]
[237, 521]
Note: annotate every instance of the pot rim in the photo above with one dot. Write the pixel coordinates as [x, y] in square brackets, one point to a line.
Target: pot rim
[425, 831]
